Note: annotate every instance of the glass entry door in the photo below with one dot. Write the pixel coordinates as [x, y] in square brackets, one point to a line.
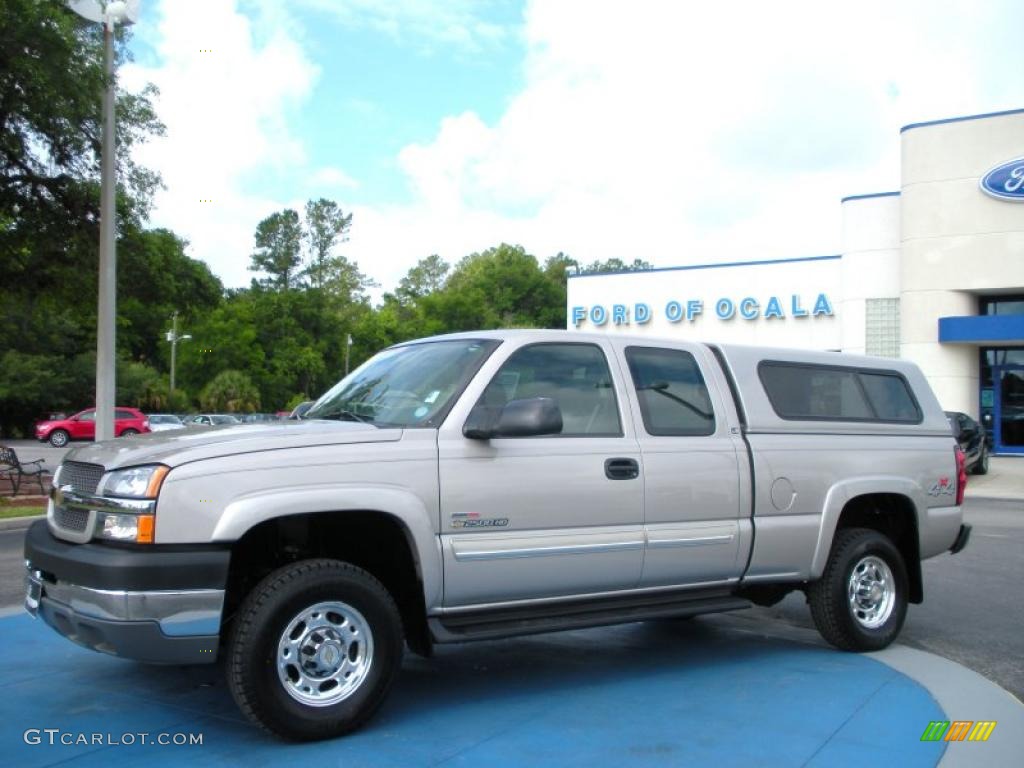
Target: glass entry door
[1009, 408]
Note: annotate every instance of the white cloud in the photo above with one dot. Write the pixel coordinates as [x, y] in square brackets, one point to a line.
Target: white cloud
[227, 91]
[683, 133]
[673, 132]
[330, 178]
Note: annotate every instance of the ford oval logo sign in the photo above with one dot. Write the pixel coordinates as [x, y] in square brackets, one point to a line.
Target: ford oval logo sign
[1005, 181]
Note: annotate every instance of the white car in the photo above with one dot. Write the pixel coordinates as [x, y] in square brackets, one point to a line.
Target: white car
[211, 420]
[163, 422]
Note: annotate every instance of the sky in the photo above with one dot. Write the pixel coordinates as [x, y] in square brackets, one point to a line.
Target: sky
[675, 132]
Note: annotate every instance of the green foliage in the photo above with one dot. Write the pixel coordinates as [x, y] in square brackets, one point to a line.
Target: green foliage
[326, 226]
[279, 249]
[294, 400]
[178, 402]
[425, 278]
[141, 386]
[616, 265]
[230, 392]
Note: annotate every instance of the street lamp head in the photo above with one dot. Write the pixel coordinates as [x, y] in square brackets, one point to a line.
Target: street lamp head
[186, 337]
[114, 12]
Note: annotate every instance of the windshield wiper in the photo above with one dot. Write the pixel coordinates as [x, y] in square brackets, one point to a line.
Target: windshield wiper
[344, 415]
[661, 387]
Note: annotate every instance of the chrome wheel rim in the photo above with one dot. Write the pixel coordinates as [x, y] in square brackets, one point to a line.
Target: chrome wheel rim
[58, 439]
[324, 654]
[871, 592]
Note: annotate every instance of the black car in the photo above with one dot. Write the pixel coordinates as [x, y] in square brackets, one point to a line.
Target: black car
[973, 441]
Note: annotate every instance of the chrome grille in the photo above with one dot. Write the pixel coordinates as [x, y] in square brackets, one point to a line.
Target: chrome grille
[82, 477]
[71, 519]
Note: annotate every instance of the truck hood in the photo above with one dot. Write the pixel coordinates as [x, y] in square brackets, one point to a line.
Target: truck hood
[195, 444]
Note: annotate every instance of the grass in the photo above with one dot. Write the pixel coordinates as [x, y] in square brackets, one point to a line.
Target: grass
[6, 511]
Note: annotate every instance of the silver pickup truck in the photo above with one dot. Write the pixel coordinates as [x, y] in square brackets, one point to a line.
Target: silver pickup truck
[489, 484]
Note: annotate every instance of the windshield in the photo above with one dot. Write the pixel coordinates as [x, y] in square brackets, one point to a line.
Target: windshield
[409, 386]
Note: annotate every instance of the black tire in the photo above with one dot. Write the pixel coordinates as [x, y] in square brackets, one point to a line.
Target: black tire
[259, 624]
[59, 438]
[129, 432]
[981, 466]
[829, 598]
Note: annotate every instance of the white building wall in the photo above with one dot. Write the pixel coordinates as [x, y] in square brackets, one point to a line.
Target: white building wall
[870, 267]
[956, 242]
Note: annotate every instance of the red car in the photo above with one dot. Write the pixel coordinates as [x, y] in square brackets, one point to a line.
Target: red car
[82, 426]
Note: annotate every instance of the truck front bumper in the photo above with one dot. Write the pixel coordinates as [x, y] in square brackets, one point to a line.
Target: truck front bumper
[154, 605]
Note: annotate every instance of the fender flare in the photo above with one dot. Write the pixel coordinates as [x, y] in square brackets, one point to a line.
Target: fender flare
[840, 494]
[247, 511]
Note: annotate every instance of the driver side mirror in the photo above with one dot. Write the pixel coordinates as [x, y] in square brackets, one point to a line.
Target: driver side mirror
[532, 417]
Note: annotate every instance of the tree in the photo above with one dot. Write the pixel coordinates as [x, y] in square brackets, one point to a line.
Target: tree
[279, 249]
[326, 226]
[155, 279]
[617, 265]
[52, 81]
[508, 289]
[559, 265]
[230, 392]
[51, 88]
[425, 278]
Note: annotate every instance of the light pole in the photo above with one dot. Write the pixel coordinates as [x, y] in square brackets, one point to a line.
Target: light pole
[348, 349]
[174, 338]
[110, 15]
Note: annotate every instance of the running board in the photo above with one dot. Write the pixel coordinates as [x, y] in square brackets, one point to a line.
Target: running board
[555, 617]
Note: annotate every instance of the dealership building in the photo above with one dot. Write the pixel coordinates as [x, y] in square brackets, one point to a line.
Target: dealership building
[932, 273]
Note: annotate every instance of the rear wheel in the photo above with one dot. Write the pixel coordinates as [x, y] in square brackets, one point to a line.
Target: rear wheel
[129, 432]
[860, 602]
[314, 650]
[59, 438]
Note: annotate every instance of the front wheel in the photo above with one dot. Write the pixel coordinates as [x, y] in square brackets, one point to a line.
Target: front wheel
[860, 602]
[314, 650]
[59, 438]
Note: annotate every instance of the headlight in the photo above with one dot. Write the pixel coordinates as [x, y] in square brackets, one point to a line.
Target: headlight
[137, 528]
[135, 483]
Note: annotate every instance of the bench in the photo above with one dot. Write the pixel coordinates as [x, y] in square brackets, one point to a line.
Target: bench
[14, 470]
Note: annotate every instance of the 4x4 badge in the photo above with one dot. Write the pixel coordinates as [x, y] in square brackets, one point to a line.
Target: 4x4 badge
[943, 487]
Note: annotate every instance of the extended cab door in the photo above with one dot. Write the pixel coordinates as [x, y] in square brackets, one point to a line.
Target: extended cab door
[535, 517]
[696, 476]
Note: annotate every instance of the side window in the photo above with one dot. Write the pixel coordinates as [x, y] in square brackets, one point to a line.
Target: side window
[800, 391]
[673, 397]
[88, 416]
[575, 376]
[124, 415]
[891, 398]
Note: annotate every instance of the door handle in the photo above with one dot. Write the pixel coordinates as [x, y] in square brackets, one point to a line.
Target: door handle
[621, 469]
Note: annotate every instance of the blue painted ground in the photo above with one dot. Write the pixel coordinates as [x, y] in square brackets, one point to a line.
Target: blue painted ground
[657, 693]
